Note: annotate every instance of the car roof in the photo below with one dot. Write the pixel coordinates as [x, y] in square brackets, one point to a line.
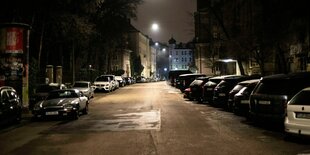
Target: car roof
[295, 75]
[249, 81]
[82, 82]
[6, 87]
[306, 89]
[192, 74]
[225, 76]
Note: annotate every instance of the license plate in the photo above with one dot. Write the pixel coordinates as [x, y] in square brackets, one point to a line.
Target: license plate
[244, 101]
[51, 113]
[222, 94]
[303, 115]
[264, 102]
[209, 89]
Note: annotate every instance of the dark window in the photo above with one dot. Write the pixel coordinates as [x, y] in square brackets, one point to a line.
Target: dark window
[281, 86]
[302, 98]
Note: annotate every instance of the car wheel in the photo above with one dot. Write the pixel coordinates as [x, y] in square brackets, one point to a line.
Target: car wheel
[75, 115]
[85, 110]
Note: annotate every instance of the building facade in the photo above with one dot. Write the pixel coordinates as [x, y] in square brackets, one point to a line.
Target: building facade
[140, 45]
[180, 56]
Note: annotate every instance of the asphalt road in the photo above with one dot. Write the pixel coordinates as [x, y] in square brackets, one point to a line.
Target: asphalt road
[147, 119]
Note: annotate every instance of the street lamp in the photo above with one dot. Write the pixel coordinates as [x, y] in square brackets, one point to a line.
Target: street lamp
[155, 27]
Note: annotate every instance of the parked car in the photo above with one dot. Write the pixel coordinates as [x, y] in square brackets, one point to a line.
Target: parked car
[269, 99]
[184, 80]
[221, 91]
[236, 89]
[103, 83]
[10, 106]
[66, 103]
[196, 87]
[128, 81]
[41, 92]
[141, 79]
[241, 101]
[85, 87]
[297, 120]
[208, 88]
[115, 84]
[120, 80]
[174, 74]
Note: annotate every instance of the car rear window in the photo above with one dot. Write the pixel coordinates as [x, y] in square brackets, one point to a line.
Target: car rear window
[281, 86]
[302, 98]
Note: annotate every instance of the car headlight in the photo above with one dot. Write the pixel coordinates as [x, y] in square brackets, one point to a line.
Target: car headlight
[68, 106]
[38, 106]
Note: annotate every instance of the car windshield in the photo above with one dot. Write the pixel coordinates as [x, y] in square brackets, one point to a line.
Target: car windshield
[102, 78]
[302, 98]
[62, 94]
[46, 88]
[80, 84]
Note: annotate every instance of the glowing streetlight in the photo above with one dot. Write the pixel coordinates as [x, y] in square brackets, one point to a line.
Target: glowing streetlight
[155, 27]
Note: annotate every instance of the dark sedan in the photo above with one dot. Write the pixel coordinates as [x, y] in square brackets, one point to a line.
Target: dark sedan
[196, 88]
[241, 99]
[67, 103]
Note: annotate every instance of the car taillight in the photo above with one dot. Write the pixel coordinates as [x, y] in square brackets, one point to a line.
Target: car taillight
[187, 89]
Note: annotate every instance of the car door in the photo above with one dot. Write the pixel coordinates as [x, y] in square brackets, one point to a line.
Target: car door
[83, 100]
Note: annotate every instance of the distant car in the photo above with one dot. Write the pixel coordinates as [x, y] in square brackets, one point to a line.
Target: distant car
[297, 120]
[114, 82]
[85, 87]
[42, 90]
[221, 91]
[141, 79]
[184, 80]
[236, 89]
[196, 88]
[128, 81]
[208, 88]
[10, 106]
[103, 83]
[241, 101]
[66, 103]
[120, 80]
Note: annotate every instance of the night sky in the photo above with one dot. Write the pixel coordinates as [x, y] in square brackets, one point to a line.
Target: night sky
[172, 16]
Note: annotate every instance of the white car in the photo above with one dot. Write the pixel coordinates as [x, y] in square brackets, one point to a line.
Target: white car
[85, 87]
[103, 83]
[62, 102]
[297, 120]
[120, 80]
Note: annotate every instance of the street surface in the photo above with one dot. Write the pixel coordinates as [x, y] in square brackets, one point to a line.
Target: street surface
[147, 119]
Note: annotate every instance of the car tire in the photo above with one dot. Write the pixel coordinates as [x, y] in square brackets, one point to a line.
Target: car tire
[85, 110]
[75, 115]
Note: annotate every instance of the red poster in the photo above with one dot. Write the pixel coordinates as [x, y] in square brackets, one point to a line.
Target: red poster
[14, 40]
